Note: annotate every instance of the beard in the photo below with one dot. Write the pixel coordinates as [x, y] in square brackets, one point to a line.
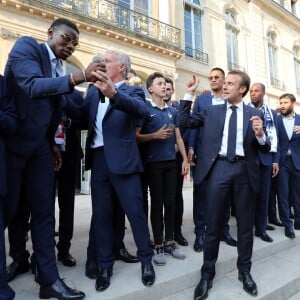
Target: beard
[287, 112]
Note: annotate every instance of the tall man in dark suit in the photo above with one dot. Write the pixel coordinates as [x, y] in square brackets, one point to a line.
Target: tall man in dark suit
[289, 174]
[7, 127]
[232, 135]
[32, 72]
[269, 166]
[216, 79]
[71, 153]
[113, 157]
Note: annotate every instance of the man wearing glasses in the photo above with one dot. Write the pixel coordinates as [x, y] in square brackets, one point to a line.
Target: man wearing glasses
[202, 102]
[35, 78]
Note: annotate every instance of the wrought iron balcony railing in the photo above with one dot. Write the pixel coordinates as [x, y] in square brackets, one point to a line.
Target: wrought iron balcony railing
[232, 66]
[277, 83]
[196, 54]
[116, 16]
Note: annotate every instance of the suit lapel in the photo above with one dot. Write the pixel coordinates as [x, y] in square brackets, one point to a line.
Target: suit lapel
[222, 116]
[281, 128]
[297, 122]
[246, 120]
[47, 69]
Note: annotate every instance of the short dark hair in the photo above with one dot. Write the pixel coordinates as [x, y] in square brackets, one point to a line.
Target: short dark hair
[218, 69]
[169, 80]
[245, 79]
[289, 96]
[66, 22]
[151, 78]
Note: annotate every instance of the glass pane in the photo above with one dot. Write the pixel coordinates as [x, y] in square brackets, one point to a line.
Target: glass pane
[141, 6]
[123, 3]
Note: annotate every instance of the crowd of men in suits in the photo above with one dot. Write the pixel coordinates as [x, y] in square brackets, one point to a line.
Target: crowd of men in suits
[236, 152]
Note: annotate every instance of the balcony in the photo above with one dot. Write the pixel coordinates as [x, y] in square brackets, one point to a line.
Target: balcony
[277, 83]
[114, 17]
[196, 54]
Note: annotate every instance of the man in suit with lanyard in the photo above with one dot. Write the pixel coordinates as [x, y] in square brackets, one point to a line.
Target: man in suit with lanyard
[232, 135]
[289, 174]
[216, 79]
[113, 157]
[35, 78]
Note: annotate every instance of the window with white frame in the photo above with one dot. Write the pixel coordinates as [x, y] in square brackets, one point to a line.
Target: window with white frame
[125, 18]
[193, 28]
[140, 6]
[297, 68]
[272, 53]
[232, 40]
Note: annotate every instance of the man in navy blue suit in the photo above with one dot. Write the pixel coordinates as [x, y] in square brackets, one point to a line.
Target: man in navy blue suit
[112, 155]
[289, 162]
[34, 76]
[7, 127]
[269, 166]
[216, 79]
[232, 135]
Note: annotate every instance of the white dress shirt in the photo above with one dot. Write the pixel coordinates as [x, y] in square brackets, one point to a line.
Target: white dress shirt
[239, 149]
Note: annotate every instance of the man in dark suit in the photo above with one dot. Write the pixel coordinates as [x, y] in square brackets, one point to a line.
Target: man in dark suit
[113, 157]
[33, 74]
[71, 153]
[216, 79]
[269, 166]
[7, 127]
[288, 178]
[232, 135]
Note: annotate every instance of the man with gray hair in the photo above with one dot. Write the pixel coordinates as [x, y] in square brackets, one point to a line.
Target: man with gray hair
[113, 157]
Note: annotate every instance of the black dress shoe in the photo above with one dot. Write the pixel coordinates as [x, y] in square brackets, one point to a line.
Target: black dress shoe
[229, 240]
[91, 269]
[275, 222]
[16, 268]
[180, 240]
[61, 291]
[103, 279]
[67, 259]
[198, 244]
[270, 228]
[201, 290]
[289, 232]
[249, 284]
[148, 274]
[264, 236]
[125, 256]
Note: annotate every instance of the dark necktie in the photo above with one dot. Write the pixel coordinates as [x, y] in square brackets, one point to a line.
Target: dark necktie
[232, 128]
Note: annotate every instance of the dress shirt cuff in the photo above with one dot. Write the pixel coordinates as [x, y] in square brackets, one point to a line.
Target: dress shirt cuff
[262, 140]
[188, 97]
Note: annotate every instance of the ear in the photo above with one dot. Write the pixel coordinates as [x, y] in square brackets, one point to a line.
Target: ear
[243, 89]
[122, 68]
[50, 33]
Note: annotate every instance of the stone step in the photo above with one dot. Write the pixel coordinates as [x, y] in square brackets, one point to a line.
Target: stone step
[178, 276]
[277, 277]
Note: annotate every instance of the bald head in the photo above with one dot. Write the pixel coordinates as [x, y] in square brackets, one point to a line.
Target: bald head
[257, 93]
